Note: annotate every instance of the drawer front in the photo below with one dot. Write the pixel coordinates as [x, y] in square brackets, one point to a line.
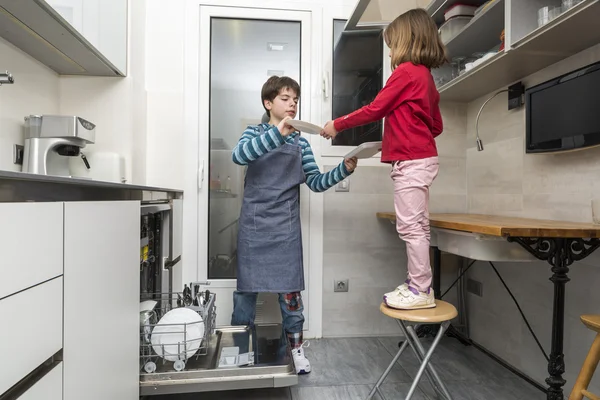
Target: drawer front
[31, 244]
[31, 330]
[50, 387]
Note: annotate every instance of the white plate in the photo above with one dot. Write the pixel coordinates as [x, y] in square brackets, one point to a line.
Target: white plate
[179, 331]
[306, 127]
[365, 150]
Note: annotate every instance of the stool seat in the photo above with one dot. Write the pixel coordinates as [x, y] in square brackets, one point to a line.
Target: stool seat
[580, 389]
[440, 313]
[592, 322]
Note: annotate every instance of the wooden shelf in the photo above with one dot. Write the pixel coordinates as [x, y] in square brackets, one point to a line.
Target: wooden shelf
[570, 33]
[481, 34]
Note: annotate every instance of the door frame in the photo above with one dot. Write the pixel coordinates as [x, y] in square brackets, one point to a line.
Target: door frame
[196, 151]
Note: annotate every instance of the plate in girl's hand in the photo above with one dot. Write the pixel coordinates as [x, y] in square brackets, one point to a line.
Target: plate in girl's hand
[305, 127]
[365, 150]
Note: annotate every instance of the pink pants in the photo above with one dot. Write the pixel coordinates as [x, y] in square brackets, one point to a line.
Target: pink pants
[412, 180]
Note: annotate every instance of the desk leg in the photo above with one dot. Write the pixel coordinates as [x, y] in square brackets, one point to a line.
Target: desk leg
[560, 253]
[556, 364]
[436, 266]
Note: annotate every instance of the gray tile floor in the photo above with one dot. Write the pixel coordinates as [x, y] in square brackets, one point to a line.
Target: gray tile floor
[346, 369]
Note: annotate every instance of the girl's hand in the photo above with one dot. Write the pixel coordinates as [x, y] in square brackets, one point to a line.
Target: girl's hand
[329, 131]
[284, 128]
[350, 163]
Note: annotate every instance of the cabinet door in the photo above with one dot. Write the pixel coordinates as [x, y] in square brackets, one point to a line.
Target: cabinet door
[101, 300]
[102, 23]
[30, 244]
[50, 387]
[32, 330]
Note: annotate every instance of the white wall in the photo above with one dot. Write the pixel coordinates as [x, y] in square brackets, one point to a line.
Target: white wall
[503, 180]
[35, 91]
[118, 106]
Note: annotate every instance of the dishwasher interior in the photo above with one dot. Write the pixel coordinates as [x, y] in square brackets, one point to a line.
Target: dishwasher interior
[181, 349]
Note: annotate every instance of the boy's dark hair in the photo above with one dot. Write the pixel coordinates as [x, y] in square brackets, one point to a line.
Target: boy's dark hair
[273, 86]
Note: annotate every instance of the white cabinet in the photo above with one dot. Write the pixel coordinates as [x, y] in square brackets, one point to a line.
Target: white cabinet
[49, 387]
[101, 300]
[30, 244]
[103, 23]
[32, 330]
[72, 37]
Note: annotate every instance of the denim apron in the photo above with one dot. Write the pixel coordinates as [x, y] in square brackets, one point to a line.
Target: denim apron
[270, 238]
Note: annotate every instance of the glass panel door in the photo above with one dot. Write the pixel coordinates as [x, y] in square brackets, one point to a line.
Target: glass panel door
[244, 53]
[239, 48]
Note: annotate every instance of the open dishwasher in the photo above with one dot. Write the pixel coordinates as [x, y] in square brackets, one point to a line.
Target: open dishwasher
[181, 349]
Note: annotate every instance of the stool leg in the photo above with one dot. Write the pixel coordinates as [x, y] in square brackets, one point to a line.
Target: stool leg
[420, 353]
[423, 366]
[387, 371]
[587, 370]
[432, 370]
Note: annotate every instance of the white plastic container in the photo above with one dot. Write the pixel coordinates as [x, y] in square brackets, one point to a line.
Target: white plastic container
[451, 27]
[459, 10]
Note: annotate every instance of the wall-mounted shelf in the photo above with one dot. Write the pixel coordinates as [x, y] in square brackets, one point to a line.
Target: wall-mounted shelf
[222, 194]
[481, 34]
[573, 31]
[437, 7]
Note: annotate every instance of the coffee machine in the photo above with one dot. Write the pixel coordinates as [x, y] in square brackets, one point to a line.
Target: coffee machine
[51, 139]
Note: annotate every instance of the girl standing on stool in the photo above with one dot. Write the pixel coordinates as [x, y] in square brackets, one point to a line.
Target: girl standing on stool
[409, 102]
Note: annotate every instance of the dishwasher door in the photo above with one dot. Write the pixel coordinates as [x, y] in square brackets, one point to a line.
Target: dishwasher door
[271, 364]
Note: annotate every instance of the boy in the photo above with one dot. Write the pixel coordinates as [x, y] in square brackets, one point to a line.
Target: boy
[269, 238]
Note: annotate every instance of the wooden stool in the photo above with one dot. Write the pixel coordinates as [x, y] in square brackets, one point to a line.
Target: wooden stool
[441, 314]
[591, 362]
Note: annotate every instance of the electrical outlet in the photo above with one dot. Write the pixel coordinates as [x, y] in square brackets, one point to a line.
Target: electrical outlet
[18, 154]
[475, 287]
[343, 186]
[340, 286]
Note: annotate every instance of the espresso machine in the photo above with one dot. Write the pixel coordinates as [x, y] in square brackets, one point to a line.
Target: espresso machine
[50, 140]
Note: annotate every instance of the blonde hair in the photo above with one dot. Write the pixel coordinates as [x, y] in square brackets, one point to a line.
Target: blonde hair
[413, 37]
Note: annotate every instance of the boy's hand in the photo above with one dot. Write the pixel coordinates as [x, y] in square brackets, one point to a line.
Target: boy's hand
[329, 131]
[284, 128]
[350, 163]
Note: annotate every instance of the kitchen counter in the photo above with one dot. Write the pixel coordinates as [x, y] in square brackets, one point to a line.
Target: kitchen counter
[496, 225]
[559, 243]
[22, 187]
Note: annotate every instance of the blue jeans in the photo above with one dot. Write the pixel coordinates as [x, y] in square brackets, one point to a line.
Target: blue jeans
[244, 313]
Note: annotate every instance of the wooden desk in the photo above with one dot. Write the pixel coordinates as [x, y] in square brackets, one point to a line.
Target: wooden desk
[559, 243]
[496, 225]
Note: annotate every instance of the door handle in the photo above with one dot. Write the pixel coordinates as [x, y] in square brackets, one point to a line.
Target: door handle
[326, 85]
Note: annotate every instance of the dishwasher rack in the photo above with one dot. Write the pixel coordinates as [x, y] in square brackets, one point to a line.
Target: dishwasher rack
[201, 302]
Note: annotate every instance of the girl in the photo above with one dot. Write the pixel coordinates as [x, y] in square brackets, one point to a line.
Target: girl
[409, 103]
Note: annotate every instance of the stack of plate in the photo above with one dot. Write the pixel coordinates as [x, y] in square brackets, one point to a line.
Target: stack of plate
[178, 334]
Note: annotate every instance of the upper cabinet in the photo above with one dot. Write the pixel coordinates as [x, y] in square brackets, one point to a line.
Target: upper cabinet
[72, 37]
[493, 43]
[373, 14]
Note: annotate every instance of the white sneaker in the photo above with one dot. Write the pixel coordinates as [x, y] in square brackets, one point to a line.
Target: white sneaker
[300, 361]
[402, 287]
[409, 298]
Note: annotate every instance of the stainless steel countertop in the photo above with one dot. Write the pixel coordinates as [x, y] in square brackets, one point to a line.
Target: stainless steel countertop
[19, 186]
